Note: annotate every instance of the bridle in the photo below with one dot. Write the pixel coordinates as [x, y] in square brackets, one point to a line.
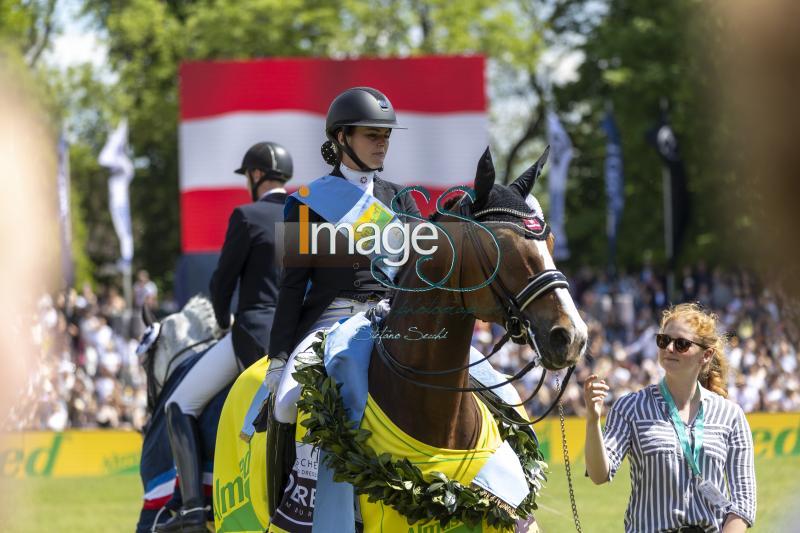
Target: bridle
[518, 328]
[149, 361]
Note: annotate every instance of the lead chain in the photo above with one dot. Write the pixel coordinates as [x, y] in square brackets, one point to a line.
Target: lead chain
[567, 463]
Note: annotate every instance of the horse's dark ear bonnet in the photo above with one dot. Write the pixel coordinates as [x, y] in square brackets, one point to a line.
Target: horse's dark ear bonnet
[507, 205]
[525, 183]
[484, 180]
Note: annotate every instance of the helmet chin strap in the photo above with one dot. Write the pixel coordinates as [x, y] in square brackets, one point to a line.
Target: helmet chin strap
[254, 186]
[350, 152]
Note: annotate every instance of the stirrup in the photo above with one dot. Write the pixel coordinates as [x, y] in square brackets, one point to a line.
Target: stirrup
[179, 523]
[280, 457]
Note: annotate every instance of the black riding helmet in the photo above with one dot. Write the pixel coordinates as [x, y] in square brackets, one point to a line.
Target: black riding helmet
[271, 158]
[358, 106]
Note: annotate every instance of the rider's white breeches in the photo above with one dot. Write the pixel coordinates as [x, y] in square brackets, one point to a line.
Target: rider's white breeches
[212, 373]
[289, 390]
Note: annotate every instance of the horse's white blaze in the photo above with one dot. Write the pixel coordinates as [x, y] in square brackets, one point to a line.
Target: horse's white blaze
[581, 331]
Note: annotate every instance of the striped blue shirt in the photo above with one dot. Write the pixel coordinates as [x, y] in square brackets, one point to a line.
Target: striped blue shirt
[664, 492]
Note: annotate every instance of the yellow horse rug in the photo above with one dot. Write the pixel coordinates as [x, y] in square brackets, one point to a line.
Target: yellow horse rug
[240, 498]
[239, 487]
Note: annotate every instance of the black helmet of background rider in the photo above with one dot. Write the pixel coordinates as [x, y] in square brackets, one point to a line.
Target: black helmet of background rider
[272, 159]
[358, 106]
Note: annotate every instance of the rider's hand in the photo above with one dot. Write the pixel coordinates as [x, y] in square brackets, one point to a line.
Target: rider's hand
[595, 391]
[274, 374]
[379, 310]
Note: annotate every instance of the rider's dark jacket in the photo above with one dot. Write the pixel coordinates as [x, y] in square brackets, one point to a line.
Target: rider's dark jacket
[310, 282]
[249, 256]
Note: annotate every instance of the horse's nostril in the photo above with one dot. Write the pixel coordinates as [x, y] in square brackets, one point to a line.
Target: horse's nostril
[559, 337]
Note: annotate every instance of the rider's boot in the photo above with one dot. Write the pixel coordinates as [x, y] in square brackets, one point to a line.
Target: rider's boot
[184, 439]
[280, 458]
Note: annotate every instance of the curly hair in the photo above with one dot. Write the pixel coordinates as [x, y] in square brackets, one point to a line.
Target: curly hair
[714, 374]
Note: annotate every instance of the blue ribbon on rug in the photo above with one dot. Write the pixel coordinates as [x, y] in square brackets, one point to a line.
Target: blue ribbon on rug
[348, 348]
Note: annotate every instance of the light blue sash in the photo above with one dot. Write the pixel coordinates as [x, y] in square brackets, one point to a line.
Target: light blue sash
[248, 429]
[342, 204]
[348, 348]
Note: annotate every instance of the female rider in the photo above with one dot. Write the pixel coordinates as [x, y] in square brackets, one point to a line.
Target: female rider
[317, 290]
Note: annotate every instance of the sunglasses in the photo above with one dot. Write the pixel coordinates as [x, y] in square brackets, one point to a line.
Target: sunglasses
[681, 345]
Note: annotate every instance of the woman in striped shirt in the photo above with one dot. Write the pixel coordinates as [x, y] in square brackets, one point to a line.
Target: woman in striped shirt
[691, 450]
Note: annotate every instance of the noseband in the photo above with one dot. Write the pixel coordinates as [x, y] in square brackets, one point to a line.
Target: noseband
[515, 322]
[518, 328]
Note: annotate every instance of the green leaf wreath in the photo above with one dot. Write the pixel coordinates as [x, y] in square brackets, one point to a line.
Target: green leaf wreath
[400, 484]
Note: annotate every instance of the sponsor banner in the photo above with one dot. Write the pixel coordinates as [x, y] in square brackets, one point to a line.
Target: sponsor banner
[775, 435]
[286, 101]
[69, 454]
[110, 453]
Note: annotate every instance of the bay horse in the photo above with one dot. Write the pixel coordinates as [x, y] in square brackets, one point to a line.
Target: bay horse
[168, 350]
[422, 387]
[527, 295]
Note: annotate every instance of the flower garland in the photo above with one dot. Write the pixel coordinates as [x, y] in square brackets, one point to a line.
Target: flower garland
[400, 484]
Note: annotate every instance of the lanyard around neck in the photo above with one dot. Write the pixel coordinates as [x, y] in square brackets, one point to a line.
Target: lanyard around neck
[692, 455]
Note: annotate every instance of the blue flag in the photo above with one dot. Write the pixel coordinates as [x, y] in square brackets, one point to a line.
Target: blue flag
[560, 157]
[615, 194]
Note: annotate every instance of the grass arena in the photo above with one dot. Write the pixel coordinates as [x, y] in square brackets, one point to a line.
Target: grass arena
[88, 481]
[136, 394]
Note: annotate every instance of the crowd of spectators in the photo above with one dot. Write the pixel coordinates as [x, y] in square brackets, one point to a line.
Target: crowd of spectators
[623, 316]
[88, 375]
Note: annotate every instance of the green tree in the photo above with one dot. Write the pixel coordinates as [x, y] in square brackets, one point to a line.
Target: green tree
[27, 27]
[640, 53]
[26, 32]
[636, 53]
[148, 39]
[81, 107]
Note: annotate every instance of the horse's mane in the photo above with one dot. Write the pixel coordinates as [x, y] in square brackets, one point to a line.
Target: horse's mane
[191, 325]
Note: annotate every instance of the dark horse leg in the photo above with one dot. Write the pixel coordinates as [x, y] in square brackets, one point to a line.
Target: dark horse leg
[184, 439]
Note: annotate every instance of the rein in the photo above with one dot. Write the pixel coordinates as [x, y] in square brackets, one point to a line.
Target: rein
[517, 327]
[149, 366]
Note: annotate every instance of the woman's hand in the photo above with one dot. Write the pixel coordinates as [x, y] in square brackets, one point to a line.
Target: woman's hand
[595, 391]
[734, 524]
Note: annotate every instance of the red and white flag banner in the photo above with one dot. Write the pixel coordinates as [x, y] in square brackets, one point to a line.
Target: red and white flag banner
[228, 106]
